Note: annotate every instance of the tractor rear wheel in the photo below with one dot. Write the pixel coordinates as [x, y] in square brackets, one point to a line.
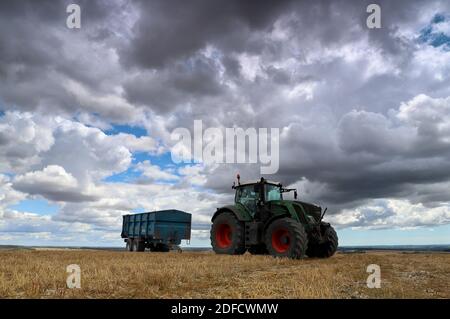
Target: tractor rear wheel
[285, 237]
[327, 247]
[227, 235]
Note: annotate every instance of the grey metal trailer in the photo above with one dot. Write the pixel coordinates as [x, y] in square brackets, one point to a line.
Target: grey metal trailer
[157, 231]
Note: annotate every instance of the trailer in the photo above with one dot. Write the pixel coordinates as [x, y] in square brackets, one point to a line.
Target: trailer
[158, 231]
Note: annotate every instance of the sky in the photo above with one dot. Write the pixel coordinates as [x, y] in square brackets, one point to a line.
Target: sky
[86, 115]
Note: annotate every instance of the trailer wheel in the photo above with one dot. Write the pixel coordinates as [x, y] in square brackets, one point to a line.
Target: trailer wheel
[286, 237]
[138, 245]
[227, 235]
[129, 245]
[162, 248]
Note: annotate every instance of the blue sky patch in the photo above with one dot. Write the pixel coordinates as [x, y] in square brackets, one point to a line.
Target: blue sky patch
[36, 206]
[435, 38]
[437, 235]
[123, 177]
[164, 161]
[128, 129]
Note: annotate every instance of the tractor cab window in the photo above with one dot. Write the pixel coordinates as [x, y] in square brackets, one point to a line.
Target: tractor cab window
[248, 196]
[273, 192]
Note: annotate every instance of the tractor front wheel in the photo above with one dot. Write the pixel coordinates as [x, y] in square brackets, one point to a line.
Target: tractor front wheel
[227, 235]
[327, 247]
[286, 237]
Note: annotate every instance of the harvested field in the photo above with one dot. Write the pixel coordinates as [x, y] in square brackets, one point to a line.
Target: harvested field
[116, 274]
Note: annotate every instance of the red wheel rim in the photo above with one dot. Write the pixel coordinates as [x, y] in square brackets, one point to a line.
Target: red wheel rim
[281, 240]
[223, 236]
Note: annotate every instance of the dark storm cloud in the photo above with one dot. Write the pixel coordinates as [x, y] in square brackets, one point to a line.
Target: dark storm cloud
[179, 83]
[23, 35]
[170, 30]
[169, 34]
[37, 53]
[370, 157]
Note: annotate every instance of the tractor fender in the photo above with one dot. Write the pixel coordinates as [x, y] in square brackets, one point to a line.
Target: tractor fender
[240, 214]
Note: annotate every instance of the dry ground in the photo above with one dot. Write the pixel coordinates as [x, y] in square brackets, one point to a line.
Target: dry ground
[115, 274]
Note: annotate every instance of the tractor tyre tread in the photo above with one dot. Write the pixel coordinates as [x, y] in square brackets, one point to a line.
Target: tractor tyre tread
[299, 235]
[238, 241]
[327, 248]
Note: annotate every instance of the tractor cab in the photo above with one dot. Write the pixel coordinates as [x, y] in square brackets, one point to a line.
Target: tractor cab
[255, 194]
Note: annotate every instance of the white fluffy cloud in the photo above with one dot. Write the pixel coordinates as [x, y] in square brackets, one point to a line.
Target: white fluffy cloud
[392, 213]
[53, 183]
[22, 137]
[8, 195]
[139, 144]
[30, 141]
[117, 199]
[429, 116]
[154, 172]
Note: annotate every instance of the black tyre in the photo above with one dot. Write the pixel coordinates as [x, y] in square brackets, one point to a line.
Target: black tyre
[327, 247]
[227, 235]
[258, 250]
[138, 245]
[162, 248]
[286, 237]
[129, 245]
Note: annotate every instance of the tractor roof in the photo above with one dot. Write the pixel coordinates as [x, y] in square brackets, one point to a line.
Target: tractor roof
[258, 181]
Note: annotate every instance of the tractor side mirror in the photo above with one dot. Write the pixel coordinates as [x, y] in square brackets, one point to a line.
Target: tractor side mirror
[295, 194]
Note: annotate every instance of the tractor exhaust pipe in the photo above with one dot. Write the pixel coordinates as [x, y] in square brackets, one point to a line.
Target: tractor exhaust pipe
[323, 214]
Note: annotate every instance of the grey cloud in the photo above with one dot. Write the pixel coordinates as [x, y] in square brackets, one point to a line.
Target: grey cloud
[53, 183]
[180, 84]
[39, 55]
[163, 34]
[55, 195]
[372, 133]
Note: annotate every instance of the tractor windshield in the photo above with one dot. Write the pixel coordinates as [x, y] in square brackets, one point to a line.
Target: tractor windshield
[248, 196]
[273, 192]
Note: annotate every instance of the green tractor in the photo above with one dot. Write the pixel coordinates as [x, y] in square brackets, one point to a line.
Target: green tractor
[262, 222]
